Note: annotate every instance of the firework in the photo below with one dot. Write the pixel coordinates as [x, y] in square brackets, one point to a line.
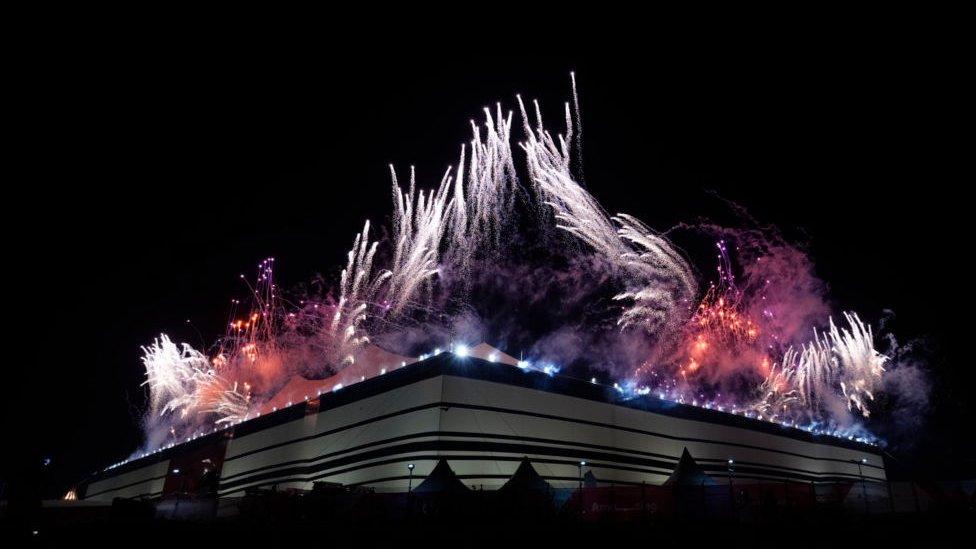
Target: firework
[860, 364]
[173, 374]
[840, 358]
[357, 289]
[740, 334]
[230, 404]
[419, 223]
[484, 191]
[659, 281]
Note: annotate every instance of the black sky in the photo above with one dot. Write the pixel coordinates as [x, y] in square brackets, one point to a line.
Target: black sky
[157, 176]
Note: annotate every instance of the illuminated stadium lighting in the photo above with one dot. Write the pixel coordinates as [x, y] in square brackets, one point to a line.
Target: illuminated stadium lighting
[461, 351]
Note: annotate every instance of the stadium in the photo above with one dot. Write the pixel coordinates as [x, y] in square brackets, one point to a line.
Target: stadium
[483, 413]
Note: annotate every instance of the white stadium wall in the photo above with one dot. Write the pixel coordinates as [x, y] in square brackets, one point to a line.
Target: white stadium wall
[146, 481]
[483, 418]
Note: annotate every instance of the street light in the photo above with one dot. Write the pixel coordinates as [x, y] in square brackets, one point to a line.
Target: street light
[731, 469]
[582, 464]
[180, 487]
[410, 478]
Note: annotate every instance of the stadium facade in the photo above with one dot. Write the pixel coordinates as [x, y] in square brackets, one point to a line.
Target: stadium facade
[483, 417]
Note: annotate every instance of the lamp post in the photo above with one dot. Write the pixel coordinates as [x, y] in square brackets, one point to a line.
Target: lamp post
[176, 504]
[410, 478]
[582, 464]
[731, 470]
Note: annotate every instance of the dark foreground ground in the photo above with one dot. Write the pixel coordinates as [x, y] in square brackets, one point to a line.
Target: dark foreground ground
[446, 523]
[946, 531]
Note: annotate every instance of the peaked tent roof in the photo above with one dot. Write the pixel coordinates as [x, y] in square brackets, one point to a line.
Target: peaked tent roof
[371, 361]
[441, 479]
[689, 473]
[492, 354]
[526, 479]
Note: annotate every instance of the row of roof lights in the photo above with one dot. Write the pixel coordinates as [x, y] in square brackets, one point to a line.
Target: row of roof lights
[463, 351]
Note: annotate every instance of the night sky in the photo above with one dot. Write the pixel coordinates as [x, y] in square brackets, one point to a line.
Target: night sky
[163, 174]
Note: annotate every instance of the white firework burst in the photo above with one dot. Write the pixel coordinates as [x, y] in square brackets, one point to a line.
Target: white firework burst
[172, 374]
[840, 358]
[861, 366]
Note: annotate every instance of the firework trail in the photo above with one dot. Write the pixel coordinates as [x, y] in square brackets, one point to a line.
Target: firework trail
[667, 282]
[419, 222]
[483, 196]
[229, 404]
[840, 357]
[660, 283]
[357, 289]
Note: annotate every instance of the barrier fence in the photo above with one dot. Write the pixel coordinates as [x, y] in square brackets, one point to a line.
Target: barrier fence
[761, 500]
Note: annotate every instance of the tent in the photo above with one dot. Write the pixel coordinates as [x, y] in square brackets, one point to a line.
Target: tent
[525, 480]
[689, 473]
[441, 480]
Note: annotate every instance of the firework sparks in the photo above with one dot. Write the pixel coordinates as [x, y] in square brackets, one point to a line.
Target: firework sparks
[840, 358]
[173, 373]
[466, 223]
[660, 282]
[419, 223]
